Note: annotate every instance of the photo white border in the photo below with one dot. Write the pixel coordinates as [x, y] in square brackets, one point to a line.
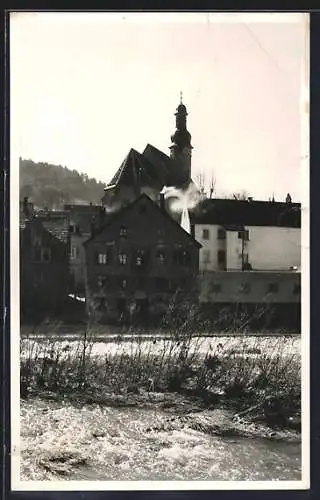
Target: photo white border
[304, 483]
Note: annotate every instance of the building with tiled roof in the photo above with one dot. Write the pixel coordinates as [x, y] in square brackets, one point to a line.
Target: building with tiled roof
[152, 170]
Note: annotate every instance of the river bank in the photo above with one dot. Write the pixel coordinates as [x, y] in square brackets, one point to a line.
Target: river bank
[150, 436]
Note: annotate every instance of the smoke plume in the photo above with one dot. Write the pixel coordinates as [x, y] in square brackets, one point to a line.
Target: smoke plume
[180, 199]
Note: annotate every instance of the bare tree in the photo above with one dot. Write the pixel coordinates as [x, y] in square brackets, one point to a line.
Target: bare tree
[241, 195]
[206, 183]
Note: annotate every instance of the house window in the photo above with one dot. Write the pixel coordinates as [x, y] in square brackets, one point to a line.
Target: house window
[46, 254]
[102, 280]
[245, 288]
[141, 258]
[221, 234]
[123, 232]
[297, 289]
[101, 258]
[123, 284]
[244, 235]
[123, 259]
[75, 252]
[273, 288]
[160, 256]
[216, 287]
[182, 257]
[206, 256]
[205, 234]
[221, 257]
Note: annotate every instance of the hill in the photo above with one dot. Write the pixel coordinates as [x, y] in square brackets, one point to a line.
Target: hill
[53, 185]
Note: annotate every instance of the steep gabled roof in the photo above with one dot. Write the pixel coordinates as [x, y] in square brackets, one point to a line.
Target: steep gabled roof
[52, 233]
[136, 170]
[114, 217]
[247, 213]
[160, 161]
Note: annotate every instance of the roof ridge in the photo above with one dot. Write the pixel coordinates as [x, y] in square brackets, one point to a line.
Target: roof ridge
[130, 206]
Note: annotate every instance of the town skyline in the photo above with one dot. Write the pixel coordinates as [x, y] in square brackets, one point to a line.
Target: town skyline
[95, 89]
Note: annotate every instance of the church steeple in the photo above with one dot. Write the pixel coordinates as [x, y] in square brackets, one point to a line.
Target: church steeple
[180, 149]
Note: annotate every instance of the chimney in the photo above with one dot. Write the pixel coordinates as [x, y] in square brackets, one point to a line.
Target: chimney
[288, 198]
[93, 226]
[26, 206]
[102, 212]
[162, 205]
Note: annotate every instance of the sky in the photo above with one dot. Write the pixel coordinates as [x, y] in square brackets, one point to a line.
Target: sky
[87, 87]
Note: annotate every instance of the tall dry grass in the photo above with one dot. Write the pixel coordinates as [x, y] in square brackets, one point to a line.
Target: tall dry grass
[233, 373]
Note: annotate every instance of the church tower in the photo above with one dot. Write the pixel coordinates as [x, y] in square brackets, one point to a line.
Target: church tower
[181, 149]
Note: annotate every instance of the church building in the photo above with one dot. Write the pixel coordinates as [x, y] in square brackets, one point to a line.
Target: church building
[153, 170]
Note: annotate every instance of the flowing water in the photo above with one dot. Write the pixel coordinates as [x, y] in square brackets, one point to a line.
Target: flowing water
[134, 444]
[185, 454]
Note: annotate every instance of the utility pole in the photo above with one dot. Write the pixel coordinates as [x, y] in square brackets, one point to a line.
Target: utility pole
[242, 248]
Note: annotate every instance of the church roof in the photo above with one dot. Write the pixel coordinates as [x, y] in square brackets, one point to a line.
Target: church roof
[137, 169]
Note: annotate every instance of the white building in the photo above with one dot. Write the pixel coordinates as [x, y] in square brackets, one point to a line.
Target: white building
[248, 235]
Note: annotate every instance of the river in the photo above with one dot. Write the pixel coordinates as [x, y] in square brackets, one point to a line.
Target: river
[146, 444]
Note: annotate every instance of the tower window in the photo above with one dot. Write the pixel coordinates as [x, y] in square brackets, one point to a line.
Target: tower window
[205, 234]
[221, 234]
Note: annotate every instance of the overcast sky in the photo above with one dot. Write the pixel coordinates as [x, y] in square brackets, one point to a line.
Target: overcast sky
[85, 88]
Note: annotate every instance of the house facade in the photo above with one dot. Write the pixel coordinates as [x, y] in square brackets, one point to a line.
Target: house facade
[248, 235]
[139, 264]
[43, 269]
[81, 220]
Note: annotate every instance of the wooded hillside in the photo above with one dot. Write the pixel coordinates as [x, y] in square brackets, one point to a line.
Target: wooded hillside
[53, 185]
